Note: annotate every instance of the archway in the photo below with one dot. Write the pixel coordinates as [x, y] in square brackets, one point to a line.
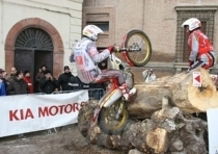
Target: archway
[33, 48]
[58, 49]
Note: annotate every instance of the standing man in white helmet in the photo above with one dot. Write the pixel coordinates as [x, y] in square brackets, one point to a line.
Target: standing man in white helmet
[202, 53]
[87, 57]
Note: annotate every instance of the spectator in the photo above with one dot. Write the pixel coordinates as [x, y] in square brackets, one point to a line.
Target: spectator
[13, 73]
[44, 68]
[6, 78]
[39, 76]
[17, 85]
[2, 83]
[48, 84]
[28, 80]
[67, 81]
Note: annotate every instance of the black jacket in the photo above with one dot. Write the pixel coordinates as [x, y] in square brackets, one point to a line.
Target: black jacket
[48, 86]
[16, 86]
[68, 82]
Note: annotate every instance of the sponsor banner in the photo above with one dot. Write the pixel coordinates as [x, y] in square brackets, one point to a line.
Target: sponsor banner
[212, 120]
[27, 113]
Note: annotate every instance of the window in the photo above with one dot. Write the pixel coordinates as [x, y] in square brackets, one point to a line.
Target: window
[103, 25]
[104, 18]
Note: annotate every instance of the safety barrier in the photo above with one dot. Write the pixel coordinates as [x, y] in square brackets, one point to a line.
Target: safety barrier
[39, 105]
[94, 93]
[34, 112]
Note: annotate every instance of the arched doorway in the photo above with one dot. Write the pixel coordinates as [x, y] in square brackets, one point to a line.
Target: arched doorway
[43, 27]
[33, 48]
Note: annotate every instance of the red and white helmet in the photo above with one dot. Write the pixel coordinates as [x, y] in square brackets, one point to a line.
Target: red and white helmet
[92, 31]
[192, 23]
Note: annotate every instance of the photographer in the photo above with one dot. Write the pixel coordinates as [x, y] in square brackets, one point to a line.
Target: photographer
[48, 84]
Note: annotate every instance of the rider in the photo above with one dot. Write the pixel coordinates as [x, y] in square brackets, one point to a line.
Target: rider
[87, 57]
[202, 53]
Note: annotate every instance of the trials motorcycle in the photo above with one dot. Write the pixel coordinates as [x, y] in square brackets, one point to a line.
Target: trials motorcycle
[111, 113]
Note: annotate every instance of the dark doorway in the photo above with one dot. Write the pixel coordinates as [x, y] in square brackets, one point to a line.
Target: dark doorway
[33, 49]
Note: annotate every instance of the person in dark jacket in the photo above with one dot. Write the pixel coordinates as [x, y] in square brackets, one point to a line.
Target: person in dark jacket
[17, 85]
[39, 76]
[68, 81]
[13, 73]
[48, 84]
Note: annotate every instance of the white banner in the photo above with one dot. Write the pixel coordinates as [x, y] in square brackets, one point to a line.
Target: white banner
[27, 113]
[212, 120]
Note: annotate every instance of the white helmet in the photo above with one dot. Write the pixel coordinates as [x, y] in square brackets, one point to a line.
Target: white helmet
[192, 23]
[92, 31]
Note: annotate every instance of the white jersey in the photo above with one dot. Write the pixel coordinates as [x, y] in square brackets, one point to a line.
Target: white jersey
[86, 58]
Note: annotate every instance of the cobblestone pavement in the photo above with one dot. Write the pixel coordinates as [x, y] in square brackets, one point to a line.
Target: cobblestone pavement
[66, 140]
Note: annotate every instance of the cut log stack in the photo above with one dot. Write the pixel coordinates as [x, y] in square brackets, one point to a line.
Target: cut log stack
[181, 92]
[161, 119]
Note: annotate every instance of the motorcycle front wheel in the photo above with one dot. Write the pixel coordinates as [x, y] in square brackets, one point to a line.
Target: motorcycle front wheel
[109, 120]
[139, 47]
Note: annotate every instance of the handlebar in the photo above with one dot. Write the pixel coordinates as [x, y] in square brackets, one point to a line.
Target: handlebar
[131, 49]
[128, 49]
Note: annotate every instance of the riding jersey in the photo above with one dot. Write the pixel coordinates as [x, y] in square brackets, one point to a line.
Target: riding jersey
[201, 48]
[87, 57]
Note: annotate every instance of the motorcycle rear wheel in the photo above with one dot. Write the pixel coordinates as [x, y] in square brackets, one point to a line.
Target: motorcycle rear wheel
[137, 39]
[108, 121]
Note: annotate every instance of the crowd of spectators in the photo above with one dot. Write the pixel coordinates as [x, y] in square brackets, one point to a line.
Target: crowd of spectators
[21, 82]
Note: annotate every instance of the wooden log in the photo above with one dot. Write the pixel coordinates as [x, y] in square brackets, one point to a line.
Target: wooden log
[205, 97]
[179, 88]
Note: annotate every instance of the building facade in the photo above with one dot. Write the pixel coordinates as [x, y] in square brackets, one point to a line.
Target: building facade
[38, 32]
[160, 19]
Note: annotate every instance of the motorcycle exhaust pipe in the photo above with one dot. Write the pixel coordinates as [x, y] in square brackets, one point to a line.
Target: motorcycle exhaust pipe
[111, 98]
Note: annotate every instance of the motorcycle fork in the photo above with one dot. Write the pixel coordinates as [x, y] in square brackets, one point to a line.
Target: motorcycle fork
[107, 100]
[96, 114]
[121, 107]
